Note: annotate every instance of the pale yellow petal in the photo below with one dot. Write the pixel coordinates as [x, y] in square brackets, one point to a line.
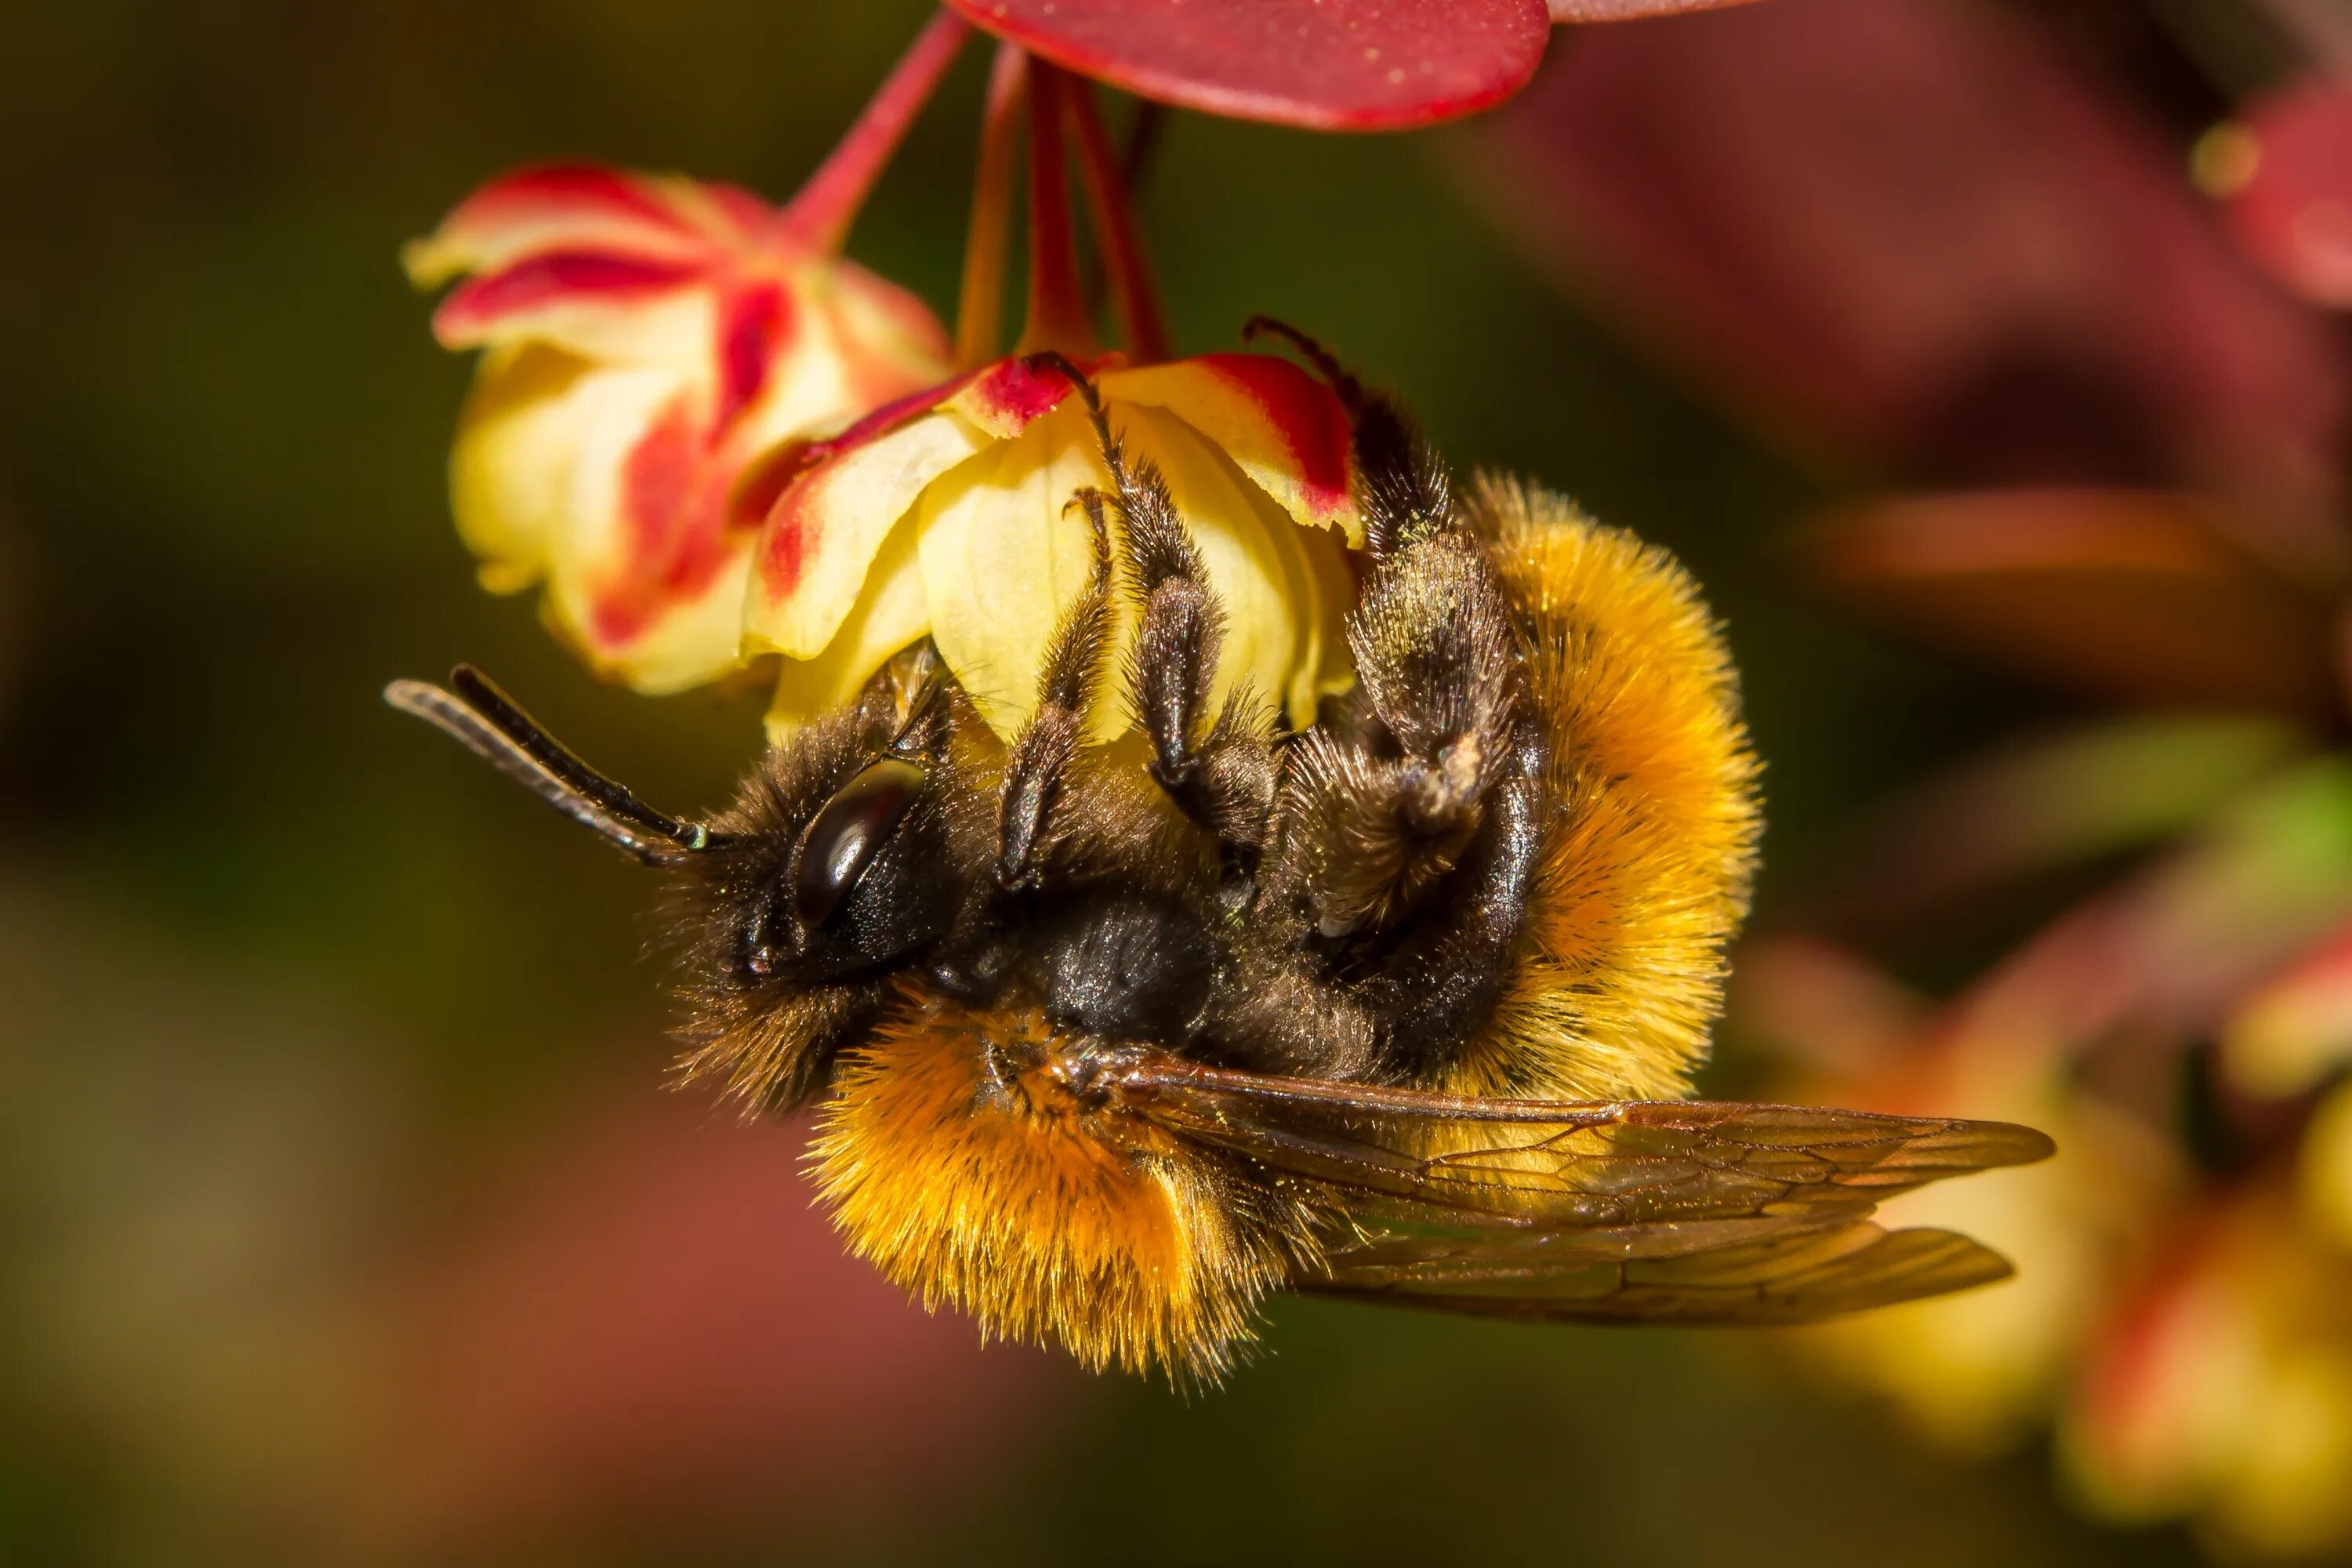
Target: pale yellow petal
[1281, 426]
[1002, 558]
[814, 554]
[697, 639]
[2326, 1161]
[890, 614]
[888, 330]
[1319, 586]
[510, 467]
[673, 330]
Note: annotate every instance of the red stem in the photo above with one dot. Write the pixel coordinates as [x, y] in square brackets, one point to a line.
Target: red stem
[821, 214]
[979, 305]
[1057, 305]
[1132, 290]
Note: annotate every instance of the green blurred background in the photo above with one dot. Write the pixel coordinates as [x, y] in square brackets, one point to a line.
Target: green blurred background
[344, 1211]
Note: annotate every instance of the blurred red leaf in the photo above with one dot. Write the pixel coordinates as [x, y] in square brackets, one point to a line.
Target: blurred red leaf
[2293, 208]
[2124, 593]
[1909, 231]
[1327, 65]
[653, 1322]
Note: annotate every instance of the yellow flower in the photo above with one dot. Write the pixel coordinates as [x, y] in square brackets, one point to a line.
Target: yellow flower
[949, 518]
[647, 340]
[1975, 1372]
[2222, 1387]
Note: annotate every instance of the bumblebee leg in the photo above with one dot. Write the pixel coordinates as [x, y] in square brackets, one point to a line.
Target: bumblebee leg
[1383, 803]
[902, 708]
[1221, 772]
[1409, 823]
[1406, 492]
[1039, 765]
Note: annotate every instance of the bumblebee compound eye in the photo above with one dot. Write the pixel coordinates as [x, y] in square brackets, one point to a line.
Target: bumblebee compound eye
[843, 837]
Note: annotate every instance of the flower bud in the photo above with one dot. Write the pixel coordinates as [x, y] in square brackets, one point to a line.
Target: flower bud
[645, 340]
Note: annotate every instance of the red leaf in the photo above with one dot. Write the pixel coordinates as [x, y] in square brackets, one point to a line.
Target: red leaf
[650, 1323]
[2120, 593]
[2293, 212]
[1908, 230]
[1326, 65]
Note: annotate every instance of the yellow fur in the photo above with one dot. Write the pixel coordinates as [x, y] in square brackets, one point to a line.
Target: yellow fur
[1047, 1222]
[1647, 870]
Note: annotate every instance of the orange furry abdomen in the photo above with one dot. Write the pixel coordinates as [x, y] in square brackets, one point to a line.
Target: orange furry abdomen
[1651, 793]
[1047, 1220]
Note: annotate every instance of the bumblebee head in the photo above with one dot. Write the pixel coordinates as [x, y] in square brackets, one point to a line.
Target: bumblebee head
[835, 862]
[832, 871]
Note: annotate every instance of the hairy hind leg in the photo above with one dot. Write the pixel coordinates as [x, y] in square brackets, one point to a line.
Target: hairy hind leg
[1382, 803]
[1409, 825]
[1038, 768]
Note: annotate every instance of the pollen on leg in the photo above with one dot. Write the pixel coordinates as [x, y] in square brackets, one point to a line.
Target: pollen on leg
[969, 1176]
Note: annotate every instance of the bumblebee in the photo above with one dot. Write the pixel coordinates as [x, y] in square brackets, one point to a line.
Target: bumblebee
[1108, 1043]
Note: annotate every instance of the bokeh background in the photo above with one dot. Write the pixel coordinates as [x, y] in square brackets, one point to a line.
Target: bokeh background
[344, 1214]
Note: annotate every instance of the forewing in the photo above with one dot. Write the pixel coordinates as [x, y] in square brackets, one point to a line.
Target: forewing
[1801, 1273]
[1404, 1154]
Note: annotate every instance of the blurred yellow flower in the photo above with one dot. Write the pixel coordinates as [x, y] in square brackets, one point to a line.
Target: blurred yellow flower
[948, 517]
[2223, 1386]
[2183, 1307]
[646, 340]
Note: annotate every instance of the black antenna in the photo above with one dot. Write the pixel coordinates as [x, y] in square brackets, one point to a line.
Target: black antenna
[489, 723]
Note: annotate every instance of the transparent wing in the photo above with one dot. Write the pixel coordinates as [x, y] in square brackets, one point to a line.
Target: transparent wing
[1800, 1273]
[1694, 1212]
[1549, 1164]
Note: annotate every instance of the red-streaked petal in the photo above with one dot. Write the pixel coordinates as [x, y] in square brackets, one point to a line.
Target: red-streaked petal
[602, 482]
[1004, 397]
[647, 572]
[570, 207]
[665, 548]
[814, 554]
[755, 324]
[724, 211]
[591, 303]
[894, 339]
[2294, 1029]
[1329, 65]
[765, 482]
[2293, 211]
[998, 399]
[1282, 426]
[890, 612]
